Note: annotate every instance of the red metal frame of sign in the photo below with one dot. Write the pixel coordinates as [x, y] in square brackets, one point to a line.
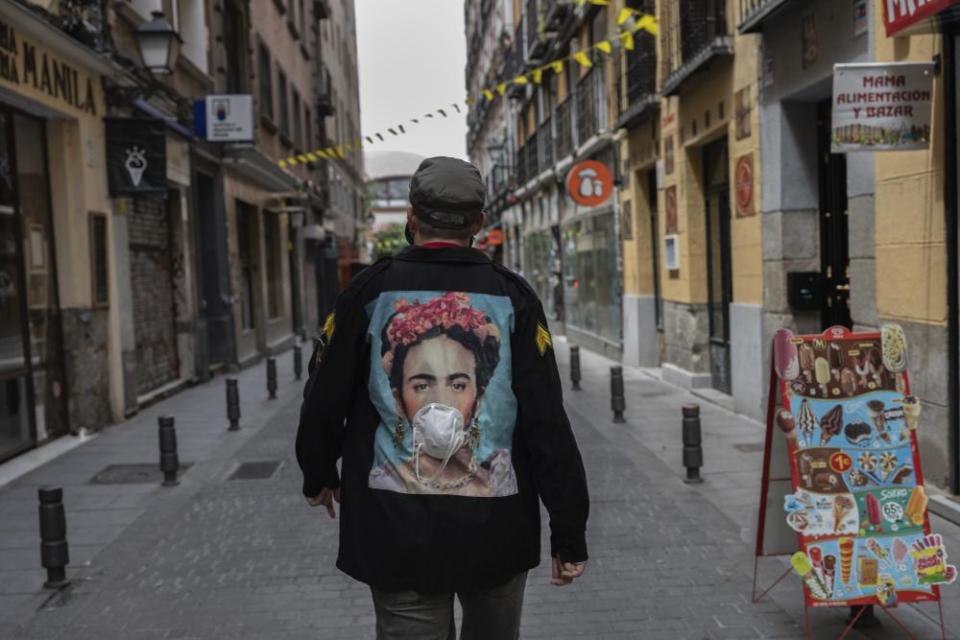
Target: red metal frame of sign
[589, 183]
[906, 14]
[828, 473]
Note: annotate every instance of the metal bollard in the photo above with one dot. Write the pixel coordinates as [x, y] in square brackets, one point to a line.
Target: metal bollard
[575, 366]
[272, 378]
[297, 361]
[692, 449]
[617, 400]
[54, 552]
[169, 461]
[233, 404]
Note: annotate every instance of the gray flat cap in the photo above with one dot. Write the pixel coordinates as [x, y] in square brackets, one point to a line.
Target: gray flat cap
[447, 193]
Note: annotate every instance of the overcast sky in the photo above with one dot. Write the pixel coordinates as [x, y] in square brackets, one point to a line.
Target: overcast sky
[412, 58]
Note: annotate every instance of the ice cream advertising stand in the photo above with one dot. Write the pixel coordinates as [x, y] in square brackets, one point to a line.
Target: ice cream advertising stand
[842, 491]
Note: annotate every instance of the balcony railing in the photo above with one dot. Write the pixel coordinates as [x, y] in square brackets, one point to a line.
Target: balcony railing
[591, 105]
[563, 140]
[693, 35]
[554, 13]
[754, 12]
[545, 145]
[537, 43]
[324, 95]
[701, 22]
[513, 65]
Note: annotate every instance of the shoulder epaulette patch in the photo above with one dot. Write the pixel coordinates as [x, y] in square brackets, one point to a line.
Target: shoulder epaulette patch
[544, 340]
[329, 326]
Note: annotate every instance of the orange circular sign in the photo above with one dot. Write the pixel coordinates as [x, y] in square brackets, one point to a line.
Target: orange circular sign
[744, 185]
[840, 462]
[495, 237]
[589, 183]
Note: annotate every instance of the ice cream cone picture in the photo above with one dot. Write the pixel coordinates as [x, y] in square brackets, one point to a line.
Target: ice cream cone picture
[911, 411]
[842, 506]
[846, 559]
[804, 568]
[785, 357]
[875, 411]
[806, 422]
[831, 424]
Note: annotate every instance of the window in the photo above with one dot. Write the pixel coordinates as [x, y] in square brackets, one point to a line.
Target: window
[245, 253]
[284, 107]
[297, 121]
[271, 243]
[308, 129]
[234, 33]
[99, 256]
[265, 80]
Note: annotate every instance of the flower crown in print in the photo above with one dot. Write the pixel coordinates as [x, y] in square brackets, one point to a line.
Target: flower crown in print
[412, 320]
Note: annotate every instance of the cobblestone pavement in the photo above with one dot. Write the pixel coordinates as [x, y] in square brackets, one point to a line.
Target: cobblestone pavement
[229, 558]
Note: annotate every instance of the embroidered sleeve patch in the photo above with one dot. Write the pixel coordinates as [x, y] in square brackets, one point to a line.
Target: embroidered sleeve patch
[329, 325]
[544, 340]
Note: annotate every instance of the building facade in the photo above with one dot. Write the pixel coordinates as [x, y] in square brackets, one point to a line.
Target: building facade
[112, 298]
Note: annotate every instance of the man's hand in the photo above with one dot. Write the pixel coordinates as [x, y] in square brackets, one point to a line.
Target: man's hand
[566, 572]
[326, 498]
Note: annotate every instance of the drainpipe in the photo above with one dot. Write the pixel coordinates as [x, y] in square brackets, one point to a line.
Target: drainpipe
[949, 71]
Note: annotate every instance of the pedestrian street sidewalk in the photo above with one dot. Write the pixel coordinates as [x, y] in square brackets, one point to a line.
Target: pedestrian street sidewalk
[98, 513]
[732, 449]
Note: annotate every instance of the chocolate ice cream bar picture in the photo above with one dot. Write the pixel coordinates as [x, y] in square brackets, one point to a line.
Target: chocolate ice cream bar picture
[835, 358]
[806, 361]
[848, 382]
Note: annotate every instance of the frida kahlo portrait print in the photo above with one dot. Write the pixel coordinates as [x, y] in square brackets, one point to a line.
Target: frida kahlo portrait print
[440, 379]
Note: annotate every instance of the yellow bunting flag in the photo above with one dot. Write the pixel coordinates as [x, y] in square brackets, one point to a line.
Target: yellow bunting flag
[283, 164]
[469, 100]
[649, 24]
[583, 59]
[520, 80]
[340, 152]
[488, 94]
[502, 88]
[625, 14]
[605, 46]
[312, 157]
[291, 160]
[557, 66]
[627, 39]
[537, 75]
[302, 158]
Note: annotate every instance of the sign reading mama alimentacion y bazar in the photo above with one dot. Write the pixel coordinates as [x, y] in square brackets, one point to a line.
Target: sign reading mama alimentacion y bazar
[881, 106]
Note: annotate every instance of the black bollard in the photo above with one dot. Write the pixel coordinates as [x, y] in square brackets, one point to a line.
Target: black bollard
[617, 401]
[169, 462]
[692, 449]
[272, 378]
[297, 361]
[575, 366]
[233, 404]
[54, 553]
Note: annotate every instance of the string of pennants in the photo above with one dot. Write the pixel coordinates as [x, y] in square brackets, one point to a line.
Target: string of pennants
[630, 21]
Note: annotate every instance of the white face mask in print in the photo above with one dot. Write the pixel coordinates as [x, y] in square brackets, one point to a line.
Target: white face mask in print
[438, 432]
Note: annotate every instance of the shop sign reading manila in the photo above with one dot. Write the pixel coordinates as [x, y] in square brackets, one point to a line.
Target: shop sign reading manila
[589, 183]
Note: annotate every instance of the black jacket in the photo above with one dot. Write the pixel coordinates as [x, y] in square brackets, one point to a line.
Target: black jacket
[413, 517]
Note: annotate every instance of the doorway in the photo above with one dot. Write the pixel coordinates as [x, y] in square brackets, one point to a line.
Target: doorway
[719, 271]
[834, 248]
[215, 303]
[655, 247]
[33, 397]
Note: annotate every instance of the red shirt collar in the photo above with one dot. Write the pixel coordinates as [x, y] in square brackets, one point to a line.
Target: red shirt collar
[439, 245]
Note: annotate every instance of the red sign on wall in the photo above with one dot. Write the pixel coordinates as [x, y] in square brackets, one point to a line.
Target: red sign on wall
[900, 14]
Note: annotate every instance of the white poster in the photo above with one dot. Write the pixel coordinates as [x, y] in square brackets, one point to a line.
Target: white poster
[881, 106]
[229, 118]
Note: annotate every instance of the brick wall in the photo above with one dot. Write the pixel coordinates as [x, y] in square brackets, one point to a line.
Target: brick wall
[152, 284]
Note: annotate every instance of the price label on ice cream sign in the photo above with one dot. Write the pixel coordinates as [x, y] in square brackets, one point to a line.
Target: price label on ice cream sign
[858, 504]
[881, 106]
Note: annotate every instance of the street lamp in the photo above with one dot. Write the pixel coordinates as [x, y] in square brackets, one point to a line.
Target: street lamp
[159, 44]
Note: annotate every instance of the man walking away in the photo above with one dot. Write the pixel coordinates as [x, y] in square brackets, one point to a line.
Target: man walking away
[435, 382]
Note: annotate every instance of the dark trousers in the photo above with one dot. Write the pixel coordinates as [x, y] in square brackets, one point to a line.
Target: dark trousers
[488, 614]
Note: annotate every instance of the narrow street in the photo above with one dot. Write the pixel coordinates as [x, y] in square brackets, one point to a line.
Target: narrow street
[219, 556]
